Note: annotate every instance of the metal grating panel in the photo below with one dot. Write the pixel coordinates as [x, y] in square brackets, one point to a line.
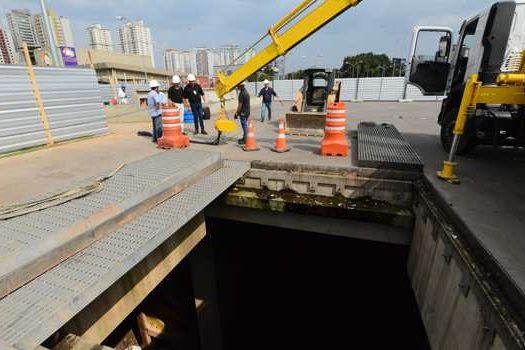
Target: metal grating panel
[35, 311]
[18, 234]
[382, 146]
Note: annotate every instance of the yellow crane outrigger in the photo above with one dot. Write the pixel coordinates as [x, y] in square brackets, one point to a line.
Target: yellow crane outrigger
[304, 20]
[509, 89]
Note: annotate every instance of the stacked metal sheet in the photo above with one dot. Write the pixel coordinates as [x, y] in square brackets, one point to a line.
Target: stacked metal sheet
[383, 147]
[71, 99]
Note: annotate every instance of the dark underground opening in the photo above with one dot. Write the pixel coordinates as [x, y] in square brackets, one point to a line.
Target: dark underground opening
[265, 287]
[280, 288]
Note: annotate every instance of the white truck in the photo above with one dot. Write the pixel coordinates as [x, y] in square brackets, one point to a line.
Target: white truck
[489, 43]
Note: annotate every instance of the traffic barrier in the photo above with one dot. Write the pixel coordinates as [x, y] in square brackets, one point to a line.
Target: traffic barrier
[250, 144]
[335, 142]
[280, 143]
[172, 136]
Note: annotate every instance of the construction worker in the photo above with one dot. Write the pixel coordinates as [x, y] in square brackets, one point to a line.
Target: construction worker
[267, 93]
[193, 96]
[154, 101]
[175, 94]
[243, 111]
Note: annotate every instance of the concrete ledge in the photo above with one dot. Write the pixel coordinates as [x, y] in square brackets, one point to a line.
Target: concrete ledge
[326, 182]
[366, 209]
[316, 224]
[461, 305]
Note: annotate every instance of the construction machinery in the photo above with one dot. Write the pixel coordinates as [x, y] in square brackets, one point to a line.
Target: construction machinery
[482, 77]
[489, 44]
[307, 116]
[303, 21]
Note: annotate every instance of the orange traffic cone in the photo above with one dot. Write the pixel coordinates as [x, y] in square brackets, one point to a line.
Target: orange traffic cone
[172, 136]
[280, 143]
[335, 143]
[250, 144]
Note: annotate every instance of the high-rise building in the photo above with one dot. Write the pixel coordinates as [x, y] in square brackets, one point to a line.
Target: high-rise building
[180, 61]
[40, 31]
[22, 26]
[135, 39]
[68, 33]
[7, 51]
[172, 61]
[99, 38]
[202, 60]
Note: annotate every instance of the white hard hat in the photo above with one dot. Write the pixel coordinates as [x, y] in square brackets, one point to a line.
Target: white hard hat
[242, 83]
[153, 84]
[191, 77]
[175, 79]
[266, 81]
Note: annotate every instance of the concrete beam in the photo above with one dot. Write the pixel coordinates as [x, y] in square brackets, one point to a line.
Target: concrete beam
[102, 316]
[365, 209]
[329, 182]
[317, 224]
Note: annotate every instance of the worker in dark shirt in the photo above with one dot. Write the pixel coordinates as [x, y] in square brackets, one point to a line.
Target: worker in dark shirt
[193, 96]
[175, 93]
[243, 111]
[267, 93]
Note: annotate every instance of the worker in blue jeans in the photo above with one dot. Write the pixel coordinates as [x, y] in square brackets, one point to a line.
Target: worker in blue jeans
[243, 111]
[154, 101]
[267, 93]
[193, 96]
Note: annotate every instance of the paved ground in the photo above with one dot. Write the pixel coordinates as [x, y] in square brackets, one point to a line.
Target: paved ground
[490, 199]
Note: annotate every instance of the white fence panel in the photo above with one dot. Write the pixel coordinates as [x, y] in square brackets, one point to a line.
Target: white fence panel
[71, 98]
[369, 89]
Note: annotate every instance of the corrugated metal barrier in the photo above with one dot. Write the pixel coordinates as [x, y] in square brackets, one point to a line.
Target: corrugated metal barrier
[71, 97]
[370, 89]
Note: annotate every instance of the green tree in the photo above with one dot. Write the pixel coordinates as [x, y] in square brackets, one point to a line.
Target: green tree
[296, 75]
[266, 73]
[367, 65]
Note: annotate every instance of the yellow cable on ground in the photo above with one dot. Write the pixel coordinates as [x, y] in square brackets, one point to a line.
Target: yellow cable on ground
[11, 211]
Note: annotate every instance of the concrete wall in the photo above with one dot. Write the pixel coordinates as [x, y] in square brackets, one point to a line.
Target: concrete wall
[455, 300]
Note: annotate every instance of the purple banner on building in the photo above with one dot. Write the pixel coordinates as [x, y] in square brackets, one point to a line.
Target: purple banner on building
[69, 56]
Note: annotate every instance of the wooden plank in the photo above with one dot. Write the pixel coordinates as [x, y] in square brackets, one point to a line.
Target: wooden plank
[38, 97]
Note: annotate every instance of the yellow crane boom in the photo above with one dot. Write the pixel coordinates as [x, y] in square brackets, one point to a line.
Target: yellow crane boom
[306, 24]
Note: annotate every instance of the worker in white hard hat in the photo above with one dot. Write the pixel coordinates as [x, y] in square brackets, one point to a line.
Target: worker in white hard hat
[267, 93]
[154, 101]
[193, 97]
[175, 93]
[243, 111]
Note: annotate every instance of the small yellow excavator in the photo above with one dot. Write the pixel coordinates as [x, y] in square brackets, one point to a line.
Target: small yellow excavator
[308, 114]
[303, 21]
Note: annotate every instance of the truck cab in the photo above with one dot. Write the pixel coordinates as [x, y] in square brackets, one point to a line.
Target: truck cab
[489, 43]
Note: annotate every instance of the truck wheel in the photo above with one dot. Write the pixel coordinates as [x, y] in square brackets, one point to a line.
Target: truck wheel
[468, 140]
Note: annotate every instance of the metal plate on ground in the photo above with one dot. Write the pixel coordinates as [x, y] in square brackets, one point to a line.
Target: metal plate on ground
[383, 147]
[32, 243]
[33, 312]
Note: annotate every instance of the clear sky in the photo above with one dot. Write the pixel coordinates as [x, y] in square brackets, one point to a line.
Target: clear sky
[381, 26]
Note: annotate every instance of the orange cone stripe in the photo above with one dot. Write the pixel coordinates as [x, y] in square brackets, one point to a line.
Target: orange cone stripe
[335, 142]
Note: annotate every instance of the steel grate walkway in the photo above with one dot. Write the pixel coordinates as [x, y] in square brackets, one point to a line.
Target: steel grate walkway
[383, 147]
[33, 312]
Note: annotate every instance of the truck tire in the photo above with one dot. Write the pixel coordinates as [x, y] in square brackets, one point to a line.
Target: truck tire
[468, 140]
